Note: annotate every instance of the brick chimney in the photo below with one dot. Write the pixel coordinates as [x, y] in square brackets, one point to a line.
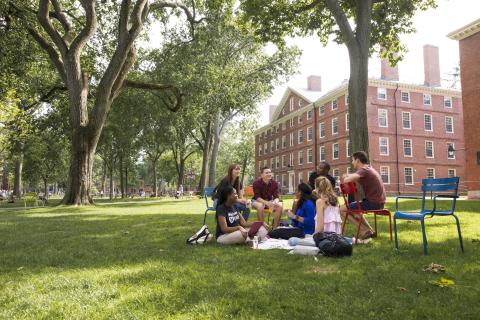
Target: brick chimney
[271, 110]
[314, 83]
[388, 72]
[431, 65]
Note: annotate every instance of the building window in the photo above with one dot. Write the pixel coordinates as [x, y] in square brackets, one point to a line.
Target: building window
[272, 146]
[447, 102]
[300, 118]
[334, 104]
[427, 99]
[300, 136]
[335, 151]
[429, 153]
[284, 161]
[406, 97]
[300, 157]
[309, 114]
[309, 155]
[277, 162]
[335, 126]
[407, 147]
[452, 173]
[382, 93]
[383, 118]
[300, 102]
[309, 133]
[323, 155]
[277, 144]
[260, 150]
[321, 129]
[383, 146]
[272, 164]
[347, 99]
[264, 162]
[347, 121]
[291, 139]
[300, 177]
[350, 170]
[284, 180]
[322, 110]
[430, 173]
[292, 160]
[349, 149]
[407, 123]
[385, 174]
[277, 128]
[449, 124]
[408, 176]
[284, 142]
[291, 122]
[265, 148]
[452, 155]
[427, 119]
[291, 104]
[336, 174]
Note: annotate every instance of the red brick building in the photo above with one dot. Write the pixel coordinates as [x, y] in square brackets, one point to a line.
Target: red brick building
[410, 128]
[469, 44]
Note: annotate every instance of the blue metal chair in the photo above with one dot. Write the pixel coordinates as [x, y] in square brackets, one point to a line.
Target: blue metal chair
[207, 192]
[449, 185]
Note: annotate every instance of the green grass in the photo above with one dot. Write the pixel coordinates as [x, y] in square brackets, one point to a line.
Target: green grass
[128, 260]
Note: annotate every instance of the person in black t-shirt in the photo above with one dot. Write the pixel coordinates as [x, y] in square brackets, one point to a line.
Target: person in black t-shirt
[323, 169]
[233, 179]
[231, 226]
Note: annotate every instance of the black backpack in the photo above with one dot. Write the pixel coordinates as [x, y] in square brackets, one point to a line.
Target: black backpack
[331, 244]
[201, 237]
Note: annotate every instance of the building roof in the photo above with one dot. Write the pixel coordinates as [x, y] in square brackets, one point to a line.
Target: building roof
[465, 31]
[308, 95]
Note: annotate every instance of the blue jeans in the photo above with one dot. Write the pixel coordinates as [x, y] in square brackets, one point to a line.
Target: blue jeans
[367, 205]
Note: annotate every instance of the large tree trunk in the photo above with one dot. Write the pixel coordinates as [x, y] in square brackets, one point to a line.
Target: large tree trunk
[126, 179]
[154, 167]
[213, 158]
[81, 169]
[104, 176]
[112, 165]
[181, 172]
[17, 182]
[45, 189]
[5, 177]
[122, 185]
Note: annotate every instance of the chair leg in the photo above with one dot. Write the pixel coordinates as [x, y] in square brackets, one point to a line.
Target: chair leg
[205, 217]
[390, 225]
[358, 229]
[375, 218]
[459, 232]
[425, 243]
[344, 223]
[395, 231]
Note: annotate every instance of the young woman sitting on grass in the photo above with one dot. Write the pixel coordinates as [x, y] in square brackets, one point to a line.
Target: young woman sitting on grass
[231, 226]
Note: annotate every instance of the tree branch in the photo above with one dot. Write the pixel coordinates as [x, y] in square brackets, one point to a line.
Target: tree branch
[46, 97]
[158, 87]
[309, 6]
[88, 30]
[342, 21]
[43, 17]
[60, 16]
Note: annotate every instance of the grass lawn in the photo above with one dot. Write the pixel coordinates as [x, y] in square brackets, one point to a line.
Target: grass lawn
[128, 260]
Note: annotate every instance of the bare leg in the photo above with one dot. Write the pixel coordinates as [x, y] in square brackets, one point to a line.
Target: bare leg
[277, 215]
[365, 227]
[260, 208]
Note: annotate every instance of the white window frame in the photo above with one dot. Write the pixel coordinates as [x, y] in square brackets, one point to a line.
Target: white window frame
[425, 122]
[320, 126]
[347, 99]
[405, 176]
[388, 174]
[300, 177]
[277, 162]
[291, 122]
[265, 148]
[277, 143]
[454, 173]
[322, 154]
[333, 151]
[381, 92]
[284, 142]
[347, 145]
[300, 157]
[260, 150]
[309, 133]
[453, 146]
[380, 145]
[445, 99]
[300, 118]
[433, 149]
[300, 136]
[334, 104]
[446, 128]
[310, 155]
[292, 139]
[284, 180]
[411, 148]
[408, 96]
[334, 120]
[425, 95]
[347, 121]
[409, 120]
[300, 102]
[321, 110]
[272, 146]
[426, 175]
[309, 114]
[291, 104]
[380, 111]
[291, 160]
[284, 160]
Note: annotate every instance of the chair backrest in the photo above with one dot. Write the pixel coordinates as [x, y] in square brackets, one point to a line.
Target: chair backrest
[350, 189]
[448, 186]
[207, 192]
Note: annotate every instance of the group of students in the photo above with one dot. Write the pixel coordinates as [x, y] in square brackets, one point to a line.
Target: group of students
[315, 208]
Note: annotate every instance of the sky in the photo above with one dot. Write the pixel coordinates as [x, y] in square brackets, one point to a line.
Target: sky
[332, 64]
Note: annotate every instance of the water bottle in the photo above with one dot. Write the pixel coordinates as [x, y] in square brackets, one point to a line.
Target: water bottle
[255, 242]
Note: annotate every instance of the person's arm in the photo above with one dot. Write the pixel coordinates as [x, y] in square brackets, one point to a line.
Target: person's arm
[222, 221]
[354, 177]
[309, 214]
[320, 207]
[297, 216]
[276, 193]
[244, 223]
